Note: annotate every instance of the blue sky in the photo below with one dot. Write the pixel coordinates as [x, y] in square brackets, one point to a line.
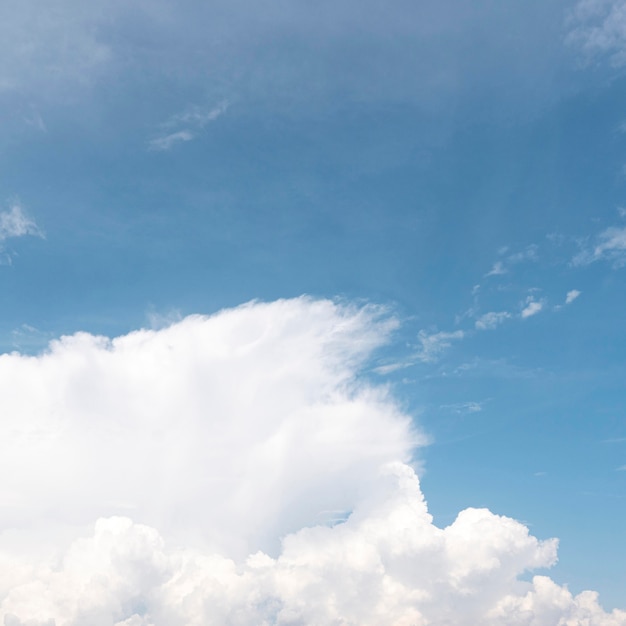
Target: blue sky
[460, 164]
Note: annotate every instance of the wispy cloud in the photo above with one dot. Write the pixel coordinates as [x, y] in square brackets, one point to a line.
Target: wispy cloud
[491, 320]
[197, 116]
[185, 126]
[529, 253]
[434, 344]
[598, 29]
[571, 296]
[463, 407]
[166, 142]
[532, 308]
[15, 223]
[500, 267]
[609, 245]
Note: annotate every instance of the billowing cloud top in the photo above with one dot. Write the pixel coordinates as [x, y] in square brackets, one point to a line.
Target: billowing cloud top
[239, 471]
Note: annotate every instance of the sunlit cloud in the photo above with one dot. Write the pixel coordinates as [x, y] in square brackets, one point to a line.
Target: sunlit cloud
[532, 308]
[238, 466]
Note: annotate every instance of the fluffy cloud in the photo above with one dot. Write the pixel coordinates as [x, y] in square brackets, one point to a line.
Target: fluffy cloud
[250, 423]
[387, 564]
[241, 471]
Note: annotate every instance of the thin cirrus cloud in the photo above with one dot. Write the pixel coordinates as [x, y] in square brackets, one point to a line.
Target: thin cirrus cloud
[491, 320]
[598, 29]
[609, 245]
[185, 126]
[532, 308]
[464, 407]
[501, 267]
[433, 345]
[15, 223]
[572, 295]
[177, 476]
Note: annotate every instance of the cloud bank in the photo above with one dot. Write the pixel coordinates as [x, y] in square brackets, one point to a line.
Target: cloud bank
[238, 469]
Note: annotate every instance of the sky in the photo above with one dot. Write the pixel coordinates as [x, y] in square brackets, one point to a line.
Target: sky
[312, 313]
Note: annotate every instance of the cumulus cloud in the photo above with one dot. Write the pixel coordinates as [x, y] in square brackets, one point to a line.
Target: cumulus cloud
[491, 320]
[185, 475]
[387, 564]
[250, 422]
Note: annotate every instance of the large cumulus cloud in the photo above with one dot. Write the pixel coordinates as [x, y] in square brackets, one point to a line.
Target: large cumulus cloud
[237, 469]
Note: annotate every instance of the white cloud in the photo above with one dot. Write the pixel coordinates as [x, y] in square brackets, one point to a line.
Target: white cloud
[491, 320]
[598, 28]
[497, 270]
[532, 308]
[571, 296]
[464, 407]
[194, 119]
[15, 223]
[51, 47]
[434, 344]
[166, 142]
[610, 245]
[251, 419]
[387, 564]
[529, 253]
[209, 451]
[197, 116]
